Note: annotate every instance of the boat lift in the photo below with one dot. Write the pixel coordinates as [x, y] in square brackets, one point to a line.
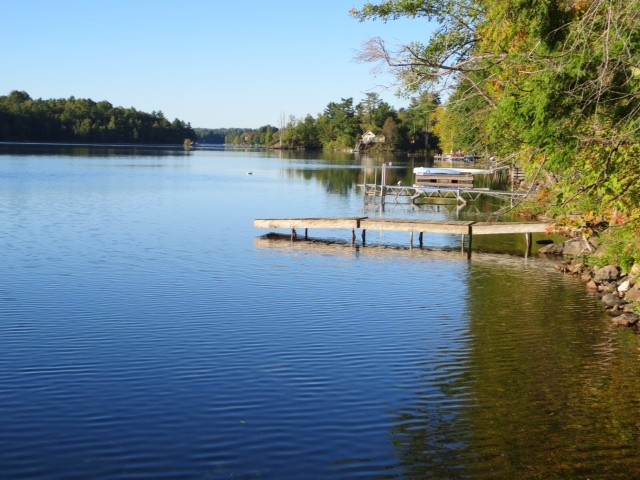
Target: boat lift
[435, 183]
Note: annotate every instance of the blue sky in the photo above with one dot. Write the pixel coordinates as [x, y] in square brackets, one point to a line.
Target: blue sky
[212, 63]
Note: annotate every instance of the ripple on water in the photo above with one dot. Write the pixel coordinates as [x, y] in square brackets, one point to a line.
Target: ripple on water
[144, 333]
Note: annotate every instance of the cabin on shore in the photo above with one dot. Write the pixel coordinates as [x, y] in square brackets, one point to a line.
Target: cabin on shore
[369, 138]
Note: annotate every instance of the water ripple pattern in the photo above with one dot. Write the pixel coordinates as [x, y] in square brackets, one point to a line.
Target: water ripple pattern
[147, 331]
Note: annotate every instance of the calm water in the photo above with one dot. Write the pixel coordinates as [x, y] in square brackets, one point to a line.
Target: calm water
[148, 331]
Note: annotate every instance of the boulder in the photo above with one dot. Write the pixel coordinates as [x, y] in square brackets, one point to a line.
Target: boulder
[611, 300]
[625, 320]
[633, 294]
[551, 249]
[608, 273]
[575, 247]
[624, 286]
[591, 285]
[586, 277]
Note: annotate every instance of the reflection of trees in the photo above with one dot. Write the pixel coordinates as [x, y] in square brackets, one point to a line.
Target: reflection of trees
[341, 172]
[535, 393]
[94, 150]
[336, 180]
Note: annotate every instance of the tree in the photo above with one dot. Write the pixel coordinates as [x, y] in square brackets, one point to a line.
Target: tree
[390, 131]
[343, 122]
[555, 85]
[417, 122]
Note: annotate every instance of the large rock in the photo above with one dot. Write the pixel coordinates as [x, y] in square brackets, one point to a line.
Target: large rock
[575, 247]
[591, 285]
[606, 274]
[624, 286]
[626, 320]
[633, 294]
[612, 300]
[551, 249]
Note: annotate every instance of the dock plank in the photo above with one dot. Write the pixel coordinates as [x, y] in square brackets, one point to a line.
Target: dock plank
[401, 225]
[319, 223]
[497, 228]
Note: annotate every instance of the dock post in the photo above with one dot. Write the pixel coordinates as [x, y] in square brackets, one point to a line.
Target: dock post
[294, 235]
[470, 242]
[353, 236]
[306, 233]
[420, 239]
[364, 237]
[411, 240]
[529, 242]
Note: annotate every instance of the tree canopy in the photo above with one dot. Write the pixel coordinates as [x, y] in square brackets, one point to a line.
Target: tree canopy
[553, 85]
[340, 126]
[84, 121]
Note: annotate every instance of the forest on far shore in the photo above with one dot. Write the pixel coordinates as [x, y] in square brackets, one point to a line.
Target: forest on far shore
[23, 119]
[340, 126]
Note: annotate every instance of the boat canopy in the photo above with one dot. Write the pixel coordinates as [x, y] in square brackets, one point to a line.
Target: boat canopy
[449, 171]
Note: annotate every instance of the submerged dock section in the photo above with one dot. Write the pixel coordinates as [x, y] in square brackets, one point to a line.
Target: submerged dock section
[466, 229]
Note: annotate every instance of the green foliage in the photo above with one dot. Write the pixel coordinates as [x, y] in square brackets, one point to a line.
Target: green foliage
[237, 136]
[554, 85]
[341, 125]
[450, 45]
[623, 247]
[83, 120]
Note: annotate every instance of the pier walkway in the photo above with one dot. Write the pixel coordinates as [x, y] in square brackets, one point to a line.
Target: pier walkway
[466, 229]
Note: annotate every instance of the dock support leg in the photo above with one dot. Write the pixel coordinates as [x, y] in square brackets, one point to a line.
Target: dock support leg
[420, 239]
[294, 235]
[364, 237]
[353, 236]
[529, 242]
[411, 240]
[306, 233]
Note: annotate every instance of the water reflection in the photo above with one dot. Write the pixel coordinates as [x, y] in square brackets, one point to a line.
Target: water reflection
[533, 392]
[144, 329]
[93, 150]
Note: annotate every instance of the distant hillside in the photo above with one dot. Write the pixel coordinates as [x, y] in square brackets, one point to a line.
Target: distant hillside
[23, 119]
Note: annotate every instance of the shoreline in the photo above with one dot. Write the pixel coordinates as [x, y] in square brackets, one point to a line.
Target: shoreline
[618, 291]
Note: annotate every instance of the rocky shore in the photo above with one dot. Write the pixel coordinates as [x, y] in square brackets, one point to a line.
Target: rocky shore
[618, 291]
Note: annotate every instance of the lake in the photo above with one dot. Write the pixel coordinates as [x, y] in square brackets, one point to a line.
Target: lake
[148, 331]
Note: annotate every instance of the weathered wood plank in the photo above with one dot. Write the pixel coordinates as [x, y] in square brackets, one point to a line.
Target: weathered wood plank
[405, 225]
[319, 223]
[487, 228]
[397, 225]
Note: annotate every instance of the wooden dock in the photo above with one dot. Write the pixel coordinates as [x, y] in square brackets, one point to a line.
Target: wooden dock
[466, 229]
[460, 195]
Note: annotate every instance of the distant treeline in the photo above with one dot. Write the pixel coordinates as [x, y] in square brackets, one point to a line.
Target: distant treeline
[84, 121]
[341, 126]
[237, 136]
